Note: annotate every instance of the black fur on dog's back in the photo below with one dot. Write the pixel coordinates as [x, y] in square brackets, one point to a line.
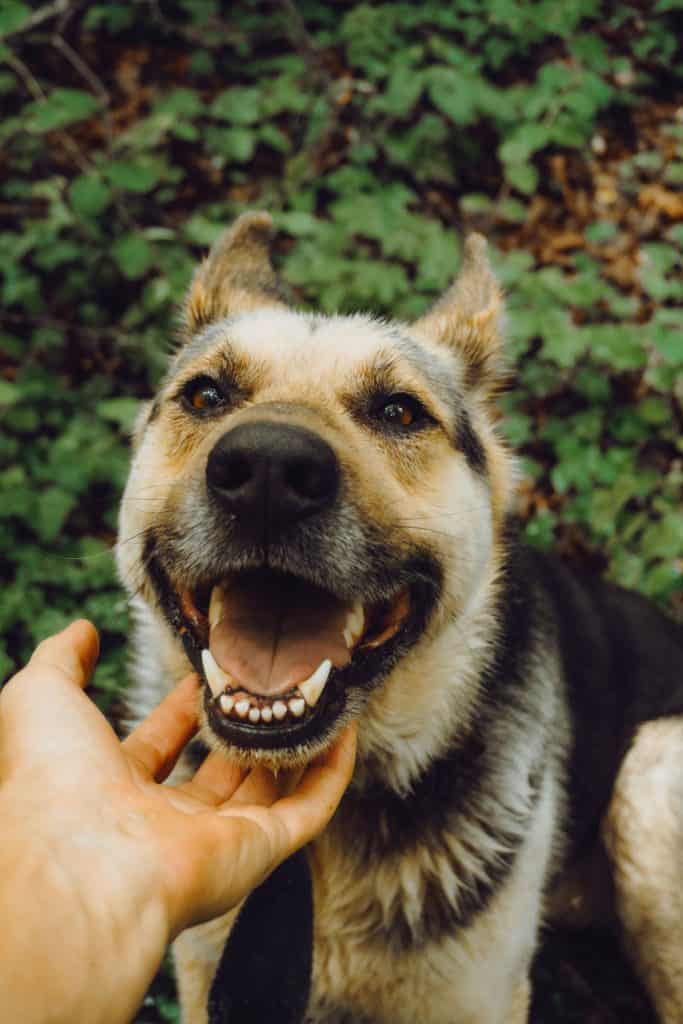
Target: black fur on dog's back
[623, 665]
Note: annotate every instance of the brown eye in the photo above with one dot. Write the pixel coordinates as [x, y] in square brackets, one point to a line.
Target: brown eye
[203, 395]
[401, 411]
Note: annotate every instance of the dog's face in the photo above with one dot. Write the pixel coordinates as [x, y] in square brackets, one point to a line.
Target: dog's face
[311, 497]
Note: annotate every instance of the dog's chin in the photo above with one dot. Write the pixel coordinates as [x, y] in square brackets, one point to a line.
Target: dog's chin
[289, 721]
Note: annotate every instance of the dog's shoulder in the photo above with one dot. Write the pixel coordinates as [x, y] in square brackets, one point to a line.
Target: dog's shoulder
[622, 661]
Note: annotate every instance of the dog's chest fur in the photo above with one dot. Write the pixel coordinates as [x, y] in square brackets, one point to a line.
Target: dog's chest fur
[364, 971]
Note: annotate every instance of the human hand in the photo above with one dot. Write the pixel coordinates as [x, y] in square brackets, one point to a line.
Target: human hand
[125, 864]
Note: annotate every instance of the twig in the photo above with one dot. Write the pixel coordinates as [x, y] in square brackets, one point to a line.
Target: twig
[26, 75]
[300, 37]
[95, 83]
[39, 16]
[36, 90]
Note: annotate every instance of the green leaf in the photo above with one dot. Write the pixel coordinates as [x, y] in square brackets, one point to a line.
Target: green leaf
[133, 255]
[12, 16]
[234, 143]
[655, 411]
[524, 142]
[62, 107]
[89, 195]
[51, 511]
[454, 94]
[523, 177]
[185, 102]
[9, 393]
[240, 106]
[122, 411]
[134, 175]
[563, 342]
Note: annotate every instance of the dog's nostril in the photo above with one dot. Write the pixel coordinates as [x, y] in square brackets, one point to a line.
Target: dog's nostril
[308, 480]
[237, 472]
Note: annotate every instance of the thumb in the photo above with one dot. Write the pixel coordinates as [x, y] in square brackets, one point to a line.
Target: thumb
[73, 653]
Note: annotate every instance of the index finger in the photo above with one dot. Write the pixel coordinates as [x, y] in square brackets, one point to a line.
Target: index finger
[157, 742]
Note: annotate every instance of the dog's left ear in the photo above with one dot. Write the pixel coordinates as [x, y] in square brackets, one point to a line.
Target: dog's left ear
[237, 275]
[468, 317]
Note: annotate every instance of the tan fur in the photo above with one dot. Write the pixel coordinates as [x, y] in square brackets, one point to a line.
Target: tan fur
[309, 374]
[195, 960]
[237, 276]
[643, 832]
[454, 982]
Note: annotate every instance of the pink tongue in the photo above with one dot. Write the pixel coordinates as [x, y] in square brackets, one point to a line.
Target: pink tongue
[275, 630]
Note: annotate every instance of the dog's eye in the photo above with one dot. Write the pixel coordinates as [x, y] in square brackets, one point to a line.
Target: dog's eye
[401, 411]
[203, 395]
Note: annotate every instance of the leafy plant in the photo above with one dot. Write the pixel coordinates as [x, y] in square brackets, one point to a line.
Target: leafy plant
[378, 133]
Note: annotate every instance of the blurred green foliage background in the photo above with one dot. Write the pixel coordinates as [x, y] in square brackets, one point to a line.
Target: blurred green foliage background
[378, 134]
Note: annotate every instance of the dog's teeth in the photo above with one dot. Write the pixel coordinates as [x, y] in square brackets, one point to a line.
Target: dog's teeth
[279, 710]
[242, 708]
[297, 706]
[355, 622]
[266, 714]
[217, 679]
[358, 624]
[227, 703]
[315, 684]
[215, 606]
[254, 715]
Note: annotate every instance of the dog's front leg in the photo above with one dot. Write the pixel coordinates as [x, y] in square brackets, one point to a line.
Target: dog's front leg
[519, 1009]
[643, 832]
[196, 953]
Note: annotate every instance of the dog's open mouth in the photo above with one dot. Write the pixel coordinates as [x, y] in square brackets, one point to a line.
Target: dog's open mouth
[278, 652]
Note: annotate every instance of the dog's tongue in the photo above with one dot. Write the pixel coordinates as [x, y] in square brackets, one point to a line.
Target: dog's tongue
[273, 632]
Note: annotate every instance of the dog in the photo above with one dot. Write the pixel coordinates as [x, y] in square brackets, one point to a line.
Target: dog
[319, 520]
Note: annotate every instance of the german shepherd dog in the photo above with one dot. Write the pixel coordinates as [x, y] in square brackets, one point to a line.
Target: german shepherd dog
[318, 521]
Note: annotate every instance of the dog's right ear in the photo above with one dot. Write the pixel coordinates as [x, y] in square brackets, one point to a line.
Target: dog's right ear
[237, 275]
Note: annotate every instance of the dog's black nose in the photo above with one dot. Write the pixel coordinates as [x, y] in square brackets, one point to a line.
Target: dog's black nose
[270, 475]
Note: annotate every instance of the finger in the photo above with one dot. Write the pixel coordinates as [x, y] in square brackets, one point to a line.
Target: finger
[260, 788]
[72, 653]
[157, 743]
[309, 808]
[236, 848]
[215, 780]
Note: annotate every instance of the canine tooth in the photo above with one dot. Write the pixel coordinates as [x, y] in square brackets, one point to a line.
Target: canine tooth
[242, 708]
[266, 714]
[254, 715]
[215, 676]
[227, 703]
[357, 620]
[215, 606]
[279, 710]
[315, 684]
[297, 706]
